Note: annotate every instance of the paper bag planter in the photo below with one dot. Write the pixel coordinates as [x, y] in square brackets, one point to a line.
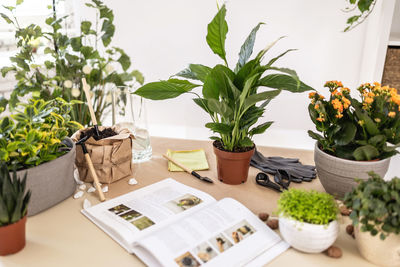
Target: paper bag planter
[111, 156]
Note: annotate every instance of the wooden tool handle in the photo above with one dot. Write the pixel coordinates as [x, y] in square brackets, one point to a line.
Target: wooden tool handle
[89, 101]
[178, 164]
[95, 178]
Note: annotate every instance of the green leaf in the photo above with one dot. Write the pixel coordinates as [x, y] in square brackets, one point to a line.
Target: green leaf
[108, 28]
[346, 134]
[201, 102]
[284, 82]
[76, 43]
[272, 61]
[165, 89]
[195, 72]
[260, 128]
[221, 108]
[315, 136]
[364, 5]
[370, 125]
[216, 33]
[367, 152]
[219, 127]
[18, 2]
[85, 26]
[265, 50]
[6, 18]
[216, 83]
[247, 48]
[124, 60]
[377, 140]
[253, 99]
[138, 76]
[246, 142]
[5, 70]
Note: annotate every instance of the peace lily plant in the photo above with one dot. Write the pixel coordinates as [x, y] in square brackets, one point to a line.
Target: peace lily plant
[230, 96]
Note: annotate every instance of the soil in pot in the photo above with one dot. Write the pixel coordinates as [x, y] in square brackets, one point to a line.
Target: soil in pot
[107, 132]
[233, 167]
[12, 237]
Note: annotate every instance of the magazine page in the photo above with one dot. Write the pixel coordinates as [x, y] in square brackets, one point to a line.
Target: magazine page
[132, 215]
[224, 233]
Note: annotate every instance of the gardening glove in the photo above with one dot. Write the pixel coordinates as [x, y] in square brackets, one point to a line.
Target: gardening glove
[283, 168]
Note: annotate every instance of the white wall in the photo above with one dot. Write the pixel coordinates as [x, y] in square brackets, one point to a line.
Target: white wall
[162, 37]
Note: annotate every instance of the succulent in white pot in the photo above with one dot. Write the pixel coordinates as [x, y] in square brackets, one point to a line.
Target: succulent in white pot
[375, 205]
[308, 219]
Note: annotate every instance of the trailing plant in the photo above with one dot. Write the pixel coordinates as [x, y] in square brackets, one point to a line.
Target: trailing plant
[375, 205]
[357, 129]
[33, 134]
[307, 206]
[88, 54]
[13, 198]
[230, 96]
[365, 8]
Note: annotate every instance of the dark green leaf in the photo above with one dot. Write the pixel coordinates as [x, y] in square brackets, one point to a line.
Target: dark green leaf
[253, 99]
[219, 127]
[260, 128]
[6, 18]
[346, 134]
[195, 72]
[85, 26]
[246, 142]
[216, 33]
[284, 82]
[76, 43]
[165, 89]
[247, 48]
[216, 83]
[125, 61]
[367, 152]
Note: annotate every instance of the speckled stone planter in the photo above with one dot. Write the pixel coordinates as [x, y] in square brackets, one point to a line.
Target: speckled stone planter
[381, 252]
[50, 182]
[338, 175]
[306, 237]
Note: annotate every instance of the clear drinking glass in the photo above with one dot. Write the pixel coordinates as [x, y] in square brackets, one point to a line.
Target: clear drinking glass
[129, 111]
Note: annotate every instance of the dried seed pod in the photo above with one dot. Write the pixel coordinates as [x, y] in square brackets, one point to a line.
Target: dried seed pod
[263, 216]
[344, 210]
[273, 224]
[333, 252]
[350, 229]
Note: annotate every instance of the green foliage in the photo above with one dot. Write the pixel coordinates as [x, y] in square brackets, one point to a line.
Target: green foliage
[13, 199]
[308, 206]
[33, 133]
[365, 8]
[228, 96]
[376, 205]
[69, 59]
[357, 130]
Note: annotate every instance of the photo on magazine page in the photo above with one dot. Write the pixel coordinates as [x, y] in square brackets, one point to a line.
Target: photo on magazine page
[183, 203]
[240, 231]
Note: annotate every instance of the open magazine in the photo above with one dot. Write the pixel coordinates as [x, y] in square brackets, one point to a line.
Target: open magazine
[171, 224]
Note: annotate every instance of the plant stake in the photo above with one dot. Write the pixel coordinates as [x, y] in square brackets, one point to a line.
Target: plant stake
[89, 103]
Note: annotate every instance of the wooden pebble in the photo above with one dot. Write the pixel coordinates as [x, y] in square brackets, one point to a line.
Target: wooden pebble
[263, 216]
[350, 229]
[333, 252]
[273, 224]
[344, 210]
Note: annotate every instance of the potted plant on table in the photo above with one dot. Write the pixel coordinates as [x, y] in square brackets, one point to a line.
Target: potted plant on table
[358, 136]
[14, 201]
[230, 97]
[34, 141]
[308, 219]
[375, 205]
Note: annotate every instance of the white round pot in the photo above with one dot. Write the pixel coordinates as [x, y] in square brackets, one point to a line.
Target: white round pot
[381, 252]
[338, 175]
[307, 237]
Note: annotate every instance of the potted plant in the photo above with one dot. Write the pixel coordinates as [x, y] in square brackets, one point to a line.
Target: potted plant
[308, 219]
[14, 201]
[34, 141]
[375, 205]
[230, 97]
[358, 136]
[67, 58]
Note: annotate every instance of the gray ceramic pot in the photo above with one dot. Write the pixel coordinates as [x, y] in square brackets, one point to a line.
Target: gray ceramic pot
[338, 175]
[51, 182]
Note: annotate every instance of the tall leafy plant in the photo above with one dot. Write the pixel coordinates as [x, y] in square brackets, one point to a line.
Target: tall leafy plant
[230, 96]
[68, 59]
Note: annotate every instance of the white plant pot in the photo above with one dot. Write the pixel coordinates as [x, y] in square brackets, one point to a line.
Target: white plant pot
[306, 237]
[381, 252]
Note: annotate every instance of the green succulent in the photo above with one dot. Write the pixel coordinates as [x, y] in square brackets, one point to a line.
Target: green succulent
[33, 134]
[13, 198]
[308, 206]
[230, 96]
[375, 205]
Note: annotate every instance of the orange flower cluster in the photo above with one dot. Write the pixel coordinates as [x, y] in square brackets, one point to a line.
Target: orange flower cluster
[370, 93]
[339, 93]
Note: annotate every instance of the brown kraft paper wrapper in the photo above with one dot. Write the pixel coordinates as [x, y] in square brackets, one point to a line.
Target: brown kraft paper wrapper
[111, 157]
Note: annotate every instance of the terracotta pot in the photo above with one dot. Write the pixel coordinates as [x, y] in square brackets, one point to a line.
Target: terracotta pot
[338, 175]
[233, 167]
[381, 252]
[12, 237]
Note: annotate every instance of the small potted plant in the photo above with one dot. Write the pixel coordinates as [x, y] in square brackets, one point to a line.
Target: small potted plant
[308, 219]
[230, 96]
[358, 136]
[375, 205]
[14, 201]
[34, 140]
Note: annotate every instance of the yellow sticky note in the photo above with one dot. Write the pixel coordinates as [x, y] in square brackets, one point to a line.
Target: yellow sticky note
[193, 159]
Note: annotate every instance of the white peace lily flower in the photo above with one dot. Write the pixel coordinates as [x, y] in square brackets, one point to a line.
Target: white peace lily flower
[86, 69]
[75, 92]
[67, 84]
[109, 68]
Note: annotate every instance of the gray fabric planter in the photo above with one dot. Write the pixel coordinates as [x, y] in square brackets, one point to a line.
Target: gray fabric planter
[51, 182]
[338, 175]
